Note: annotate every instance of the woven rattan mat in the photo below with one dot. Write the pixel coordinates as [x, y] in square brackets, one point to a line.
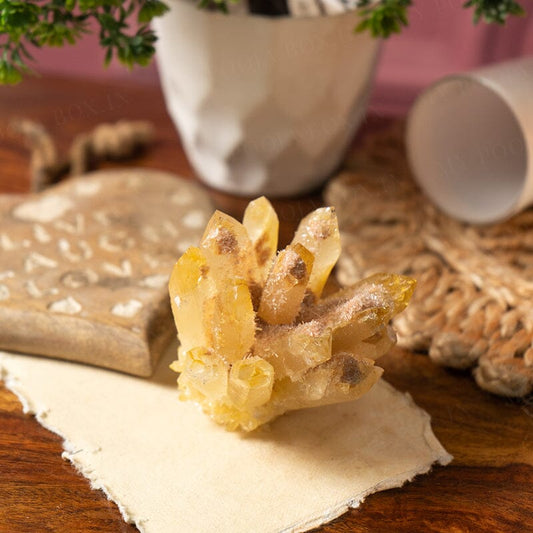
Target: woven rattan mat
[473, 306]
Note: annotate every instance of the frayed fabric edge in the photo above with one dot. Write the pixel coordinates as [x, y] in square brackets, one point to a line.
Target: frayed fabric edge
[69, 449]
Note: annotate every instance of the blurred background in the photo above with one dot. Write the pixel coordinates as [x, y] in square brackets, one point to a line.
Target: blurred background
[440, 40]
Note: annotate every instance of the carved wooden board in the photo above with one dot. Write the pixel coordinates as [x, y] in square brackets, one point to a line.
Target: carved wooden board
[84, 266]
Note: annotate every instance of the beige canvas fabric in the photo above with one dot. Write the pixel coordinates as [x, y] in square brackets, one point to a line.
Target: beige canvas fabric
[169, 468]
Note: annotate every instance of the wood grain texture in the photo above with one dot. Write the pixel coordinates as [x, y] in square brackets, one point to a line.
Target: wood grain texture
[488, 488]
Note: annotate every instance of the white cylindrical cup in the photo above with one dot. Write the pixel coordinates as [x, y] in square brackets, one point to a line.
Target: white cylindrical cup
[470, 142]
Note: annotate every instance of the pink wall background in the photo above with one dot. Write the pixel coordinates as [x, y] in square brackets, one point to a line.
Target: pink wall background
[440, 40]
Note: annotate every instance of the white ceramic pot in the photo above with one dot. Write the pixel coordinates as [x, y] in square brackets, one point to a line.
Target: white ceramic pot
[264, 105]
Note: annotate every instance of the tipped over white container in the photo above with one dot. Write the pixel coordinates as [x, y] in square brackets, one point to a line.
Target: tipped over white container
[470, 142]
[264, 105]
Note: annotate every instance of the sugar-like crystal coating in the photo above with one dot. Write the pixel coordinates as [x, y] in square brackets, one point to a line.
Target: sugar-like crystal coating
[257, 339]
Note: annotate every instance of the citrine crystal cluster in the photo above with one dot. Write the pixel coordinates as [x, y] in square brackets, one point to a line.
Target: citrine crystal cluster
[256, 338]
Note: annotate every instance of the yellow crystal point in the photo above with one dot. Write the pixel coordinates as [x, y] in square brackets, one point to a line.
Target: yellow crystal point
[319, 233]
[250, 382]
[204, 376]
[233, 321]
[190, 290]
[227, 243]
[262, 224]
[285, 285]
[253, 344]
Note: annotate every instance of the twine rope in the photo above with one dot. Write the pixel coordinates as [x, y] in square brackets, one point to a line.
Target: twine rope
[107, 142]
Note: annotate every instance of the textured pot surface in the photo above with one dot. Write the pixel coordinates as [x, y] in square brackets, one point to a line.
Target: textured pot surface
[264, 105]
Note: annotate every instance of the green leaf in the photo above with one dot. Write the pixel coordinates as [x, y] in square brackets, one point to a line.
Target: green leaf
[494, 11]
[384, 17]
[151, 9]
[9, 74]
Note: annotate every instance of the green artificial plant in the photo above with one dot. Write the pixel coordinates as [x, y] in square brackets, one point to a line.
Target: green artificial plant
[41, 23]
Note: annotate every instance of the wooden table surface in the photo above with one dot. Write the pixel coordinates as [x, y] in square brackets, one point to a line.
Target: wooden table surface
[488, 487]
